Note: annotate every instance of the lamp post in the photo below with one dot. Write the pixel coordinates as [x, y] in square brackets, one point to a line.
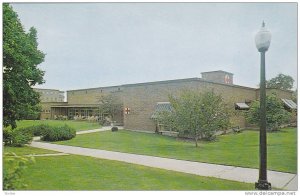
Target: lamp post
[262, 41]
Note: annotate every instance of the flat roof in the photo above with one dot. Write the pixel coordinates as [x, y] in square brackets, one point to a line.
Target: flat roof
[76, 106]
[217, 71]
[166, 81]
[48, 89]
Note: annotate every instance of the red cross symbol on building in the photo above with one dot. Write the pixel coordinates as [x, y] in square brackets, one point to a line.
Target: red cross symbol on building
[227, 79]
[127, 110]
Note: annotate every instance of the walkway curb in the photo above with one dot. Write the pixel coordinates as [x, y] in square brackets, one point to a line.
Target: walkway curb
[286, 181]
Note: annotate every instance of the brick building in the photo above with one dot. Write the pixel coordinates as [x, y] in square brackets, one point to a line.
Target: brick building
[140, 100]
[49, 97]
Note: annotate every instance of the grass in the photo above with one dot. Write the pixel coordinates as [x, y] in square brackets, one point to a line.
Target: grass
[27, 150]
[74, 172]
[232, 149]
[78, 125]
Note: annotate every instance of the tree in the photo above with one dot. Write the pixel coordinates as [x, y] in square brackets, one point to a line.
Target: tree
[281, 81]
[110, 105]
[276, 115]
[198, 115]
[20, 72]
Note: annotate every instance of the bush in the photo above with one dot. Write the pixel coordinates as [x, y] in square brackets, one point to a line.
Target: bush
[114, 129]
[58, 133]
[38, 130]
[13, 169]
[276, 115]
[17, 137]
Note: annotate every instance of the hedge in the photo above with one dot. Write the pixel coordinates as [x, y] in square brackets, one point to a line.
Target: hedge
[21, 136]
[58, 133]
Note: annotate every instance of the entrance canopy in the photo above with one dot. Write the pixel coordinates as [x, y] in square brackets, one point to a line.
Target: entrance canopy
[290, 104]
[161, 107]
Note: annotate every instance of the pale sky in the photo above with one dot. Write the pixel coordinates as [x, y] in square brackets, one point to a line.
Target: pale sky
[102, 44]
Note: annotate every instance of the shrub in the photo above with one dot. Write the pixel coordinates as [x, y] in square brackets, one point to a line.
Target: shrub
[114, 129]
[198, 115]
[276, 115]
[58, 133]
[38, 130]
[7, 136]
[13, 169]
[17, 137]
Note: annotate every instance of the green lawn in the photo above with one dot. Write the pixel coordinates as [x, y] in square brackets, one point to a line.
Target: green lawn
[73, 172]
[232, 149]
[78, 125]
[27, 150]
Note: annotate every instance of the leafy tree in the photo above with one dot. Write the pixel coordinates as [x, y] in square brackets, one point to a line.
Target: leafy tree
[198, 115]
[20, 72]
[276, 115]
[110, 105]
[281, 81]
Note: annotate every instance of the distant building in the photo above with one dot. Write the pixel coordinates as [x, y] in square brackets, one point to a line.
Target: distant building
[48, 97]
[141, 100]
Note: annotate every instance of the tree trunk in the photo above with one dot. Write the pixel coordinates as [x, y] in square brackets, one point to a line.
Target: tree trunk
[196, 141]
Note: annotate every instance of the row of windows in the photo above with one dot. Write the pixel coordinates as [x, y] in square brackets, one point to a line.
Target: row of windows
[83, 112]
[92, 91]
[52, 99]
[49, 92]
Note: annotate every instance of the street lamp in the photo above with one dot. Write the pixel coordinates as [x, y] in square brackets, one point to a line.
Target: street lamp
[262, 41]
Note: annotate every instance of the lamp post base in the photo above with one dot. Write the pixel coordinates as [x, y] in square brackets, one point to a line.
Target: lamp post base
[263, 185]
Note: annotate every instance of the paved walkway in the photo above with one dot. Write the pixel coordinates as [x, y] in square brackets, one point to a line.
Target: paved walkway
[280, 180]
[106, 128]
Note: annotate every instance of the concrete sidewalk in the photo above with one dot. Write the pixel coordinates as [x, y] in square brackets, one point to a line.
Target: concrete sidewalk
[106, 128]
[279, 180]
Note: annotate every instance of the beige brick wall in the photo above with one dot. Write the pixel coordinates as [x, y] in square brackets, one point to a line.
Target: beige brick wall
[50, 95]
[142, 99]
[218, 76]
[90, 96]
